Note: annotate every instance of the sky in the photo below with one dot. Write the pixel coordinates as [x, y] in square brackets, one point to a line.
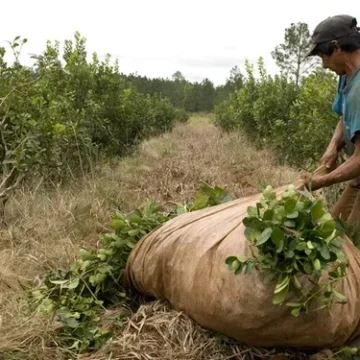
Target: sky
[156, 38]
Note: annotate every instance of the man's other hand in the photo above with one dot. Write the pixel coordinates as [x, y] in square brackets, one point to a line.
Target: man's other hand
[313, 182]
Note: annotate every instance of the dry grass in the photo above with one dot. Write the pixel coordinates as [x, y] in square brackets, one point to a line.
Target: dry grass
[44, 229]
[158, 332]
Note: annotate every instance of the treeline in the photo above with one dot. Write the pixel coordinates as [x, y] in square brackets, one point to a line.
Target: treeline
[60, 115]
[191, 96]
[290, 112]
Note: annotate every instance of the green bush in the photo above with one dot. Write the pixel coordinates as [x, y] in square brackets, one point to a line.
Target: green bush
[312, 119]
[181, 115]
[255, 108]
[58, 115]
[164, 115]
[296, 121]
[225, 115]
[275, 96]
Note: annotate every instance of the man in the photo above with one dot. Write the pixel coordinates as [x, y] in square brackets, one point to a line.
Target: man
[336, 40]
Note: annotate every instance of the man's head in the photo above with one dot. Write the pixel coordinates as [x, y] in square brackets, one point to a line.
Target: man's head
[335, 40]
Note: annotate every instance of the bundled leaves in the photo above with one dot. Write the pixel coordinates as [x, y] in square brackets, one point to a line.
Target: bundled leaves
[93, 283]
[295, 242]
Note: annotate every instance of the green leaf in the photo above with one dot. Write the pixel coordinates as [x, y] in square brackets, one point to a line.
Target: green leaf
[268, 215]
[293, 215]
[296, 311]
[317, 210]
[310, 245]
[136, 217]
[229, 260]
[317, 265]
[181, 210]
[327, 228]
[59, 282]
[102, 257]
[201, 201]
[321, 307]
[299, 206]
[71, 322]
[279, 213]
[117, 224]
[294, 304]
[252, 211]
[302, 221]
[269, 193]
[290, 205]
[340, 297]
[252, 234]
[301, 246]
[242, 258]
[279, 297]
[308, 268]
[335, 250]
[290, 224]
[325, 218]
[73, 284]
[296, 282]
[338, 241]
[87, 255]
[334, 274]
[282, 285]
[130, 244]
[349, 351]
[134, 232]
[250, 267]
[252, 222]
[264, 237]
[324, 251]
[235, 265]
[277, 238]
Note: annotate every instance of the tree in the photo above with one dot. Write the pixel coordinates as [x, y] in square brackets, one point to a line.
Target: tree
[178, 76]
[236, 80]
[233, 83]
[290, 56]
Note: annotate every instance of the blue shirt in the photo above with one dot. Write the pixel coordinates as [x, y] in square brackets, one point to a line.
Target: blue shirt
[347, 105]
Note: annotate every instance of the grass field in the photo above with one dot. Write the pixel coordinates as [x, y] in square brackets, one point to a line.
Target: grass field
[44, 228]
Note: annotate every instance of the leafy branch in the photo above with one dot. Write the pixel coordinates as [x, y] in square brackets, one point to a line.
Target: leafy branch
[77, 296]
[295, 242]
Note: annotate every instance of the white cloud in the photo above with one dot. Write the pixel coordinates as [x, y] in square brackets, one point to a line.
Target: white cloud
[158, 37]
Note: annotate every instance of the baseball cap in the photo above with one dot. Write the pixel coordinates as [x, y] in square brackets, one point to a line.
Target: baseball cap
[334, 27]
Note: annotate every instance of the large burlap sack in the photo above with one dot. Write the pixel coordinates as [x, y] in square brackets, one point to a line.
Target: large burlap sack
[184, 262]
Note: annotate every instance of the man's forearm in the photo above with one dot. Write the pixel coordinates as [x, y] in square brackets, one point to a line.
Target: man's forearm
[337, 142]
[349, 170]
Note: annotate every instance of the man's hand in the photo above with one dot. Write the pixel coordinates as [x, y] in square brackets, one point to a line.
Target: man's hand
[313, 183]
